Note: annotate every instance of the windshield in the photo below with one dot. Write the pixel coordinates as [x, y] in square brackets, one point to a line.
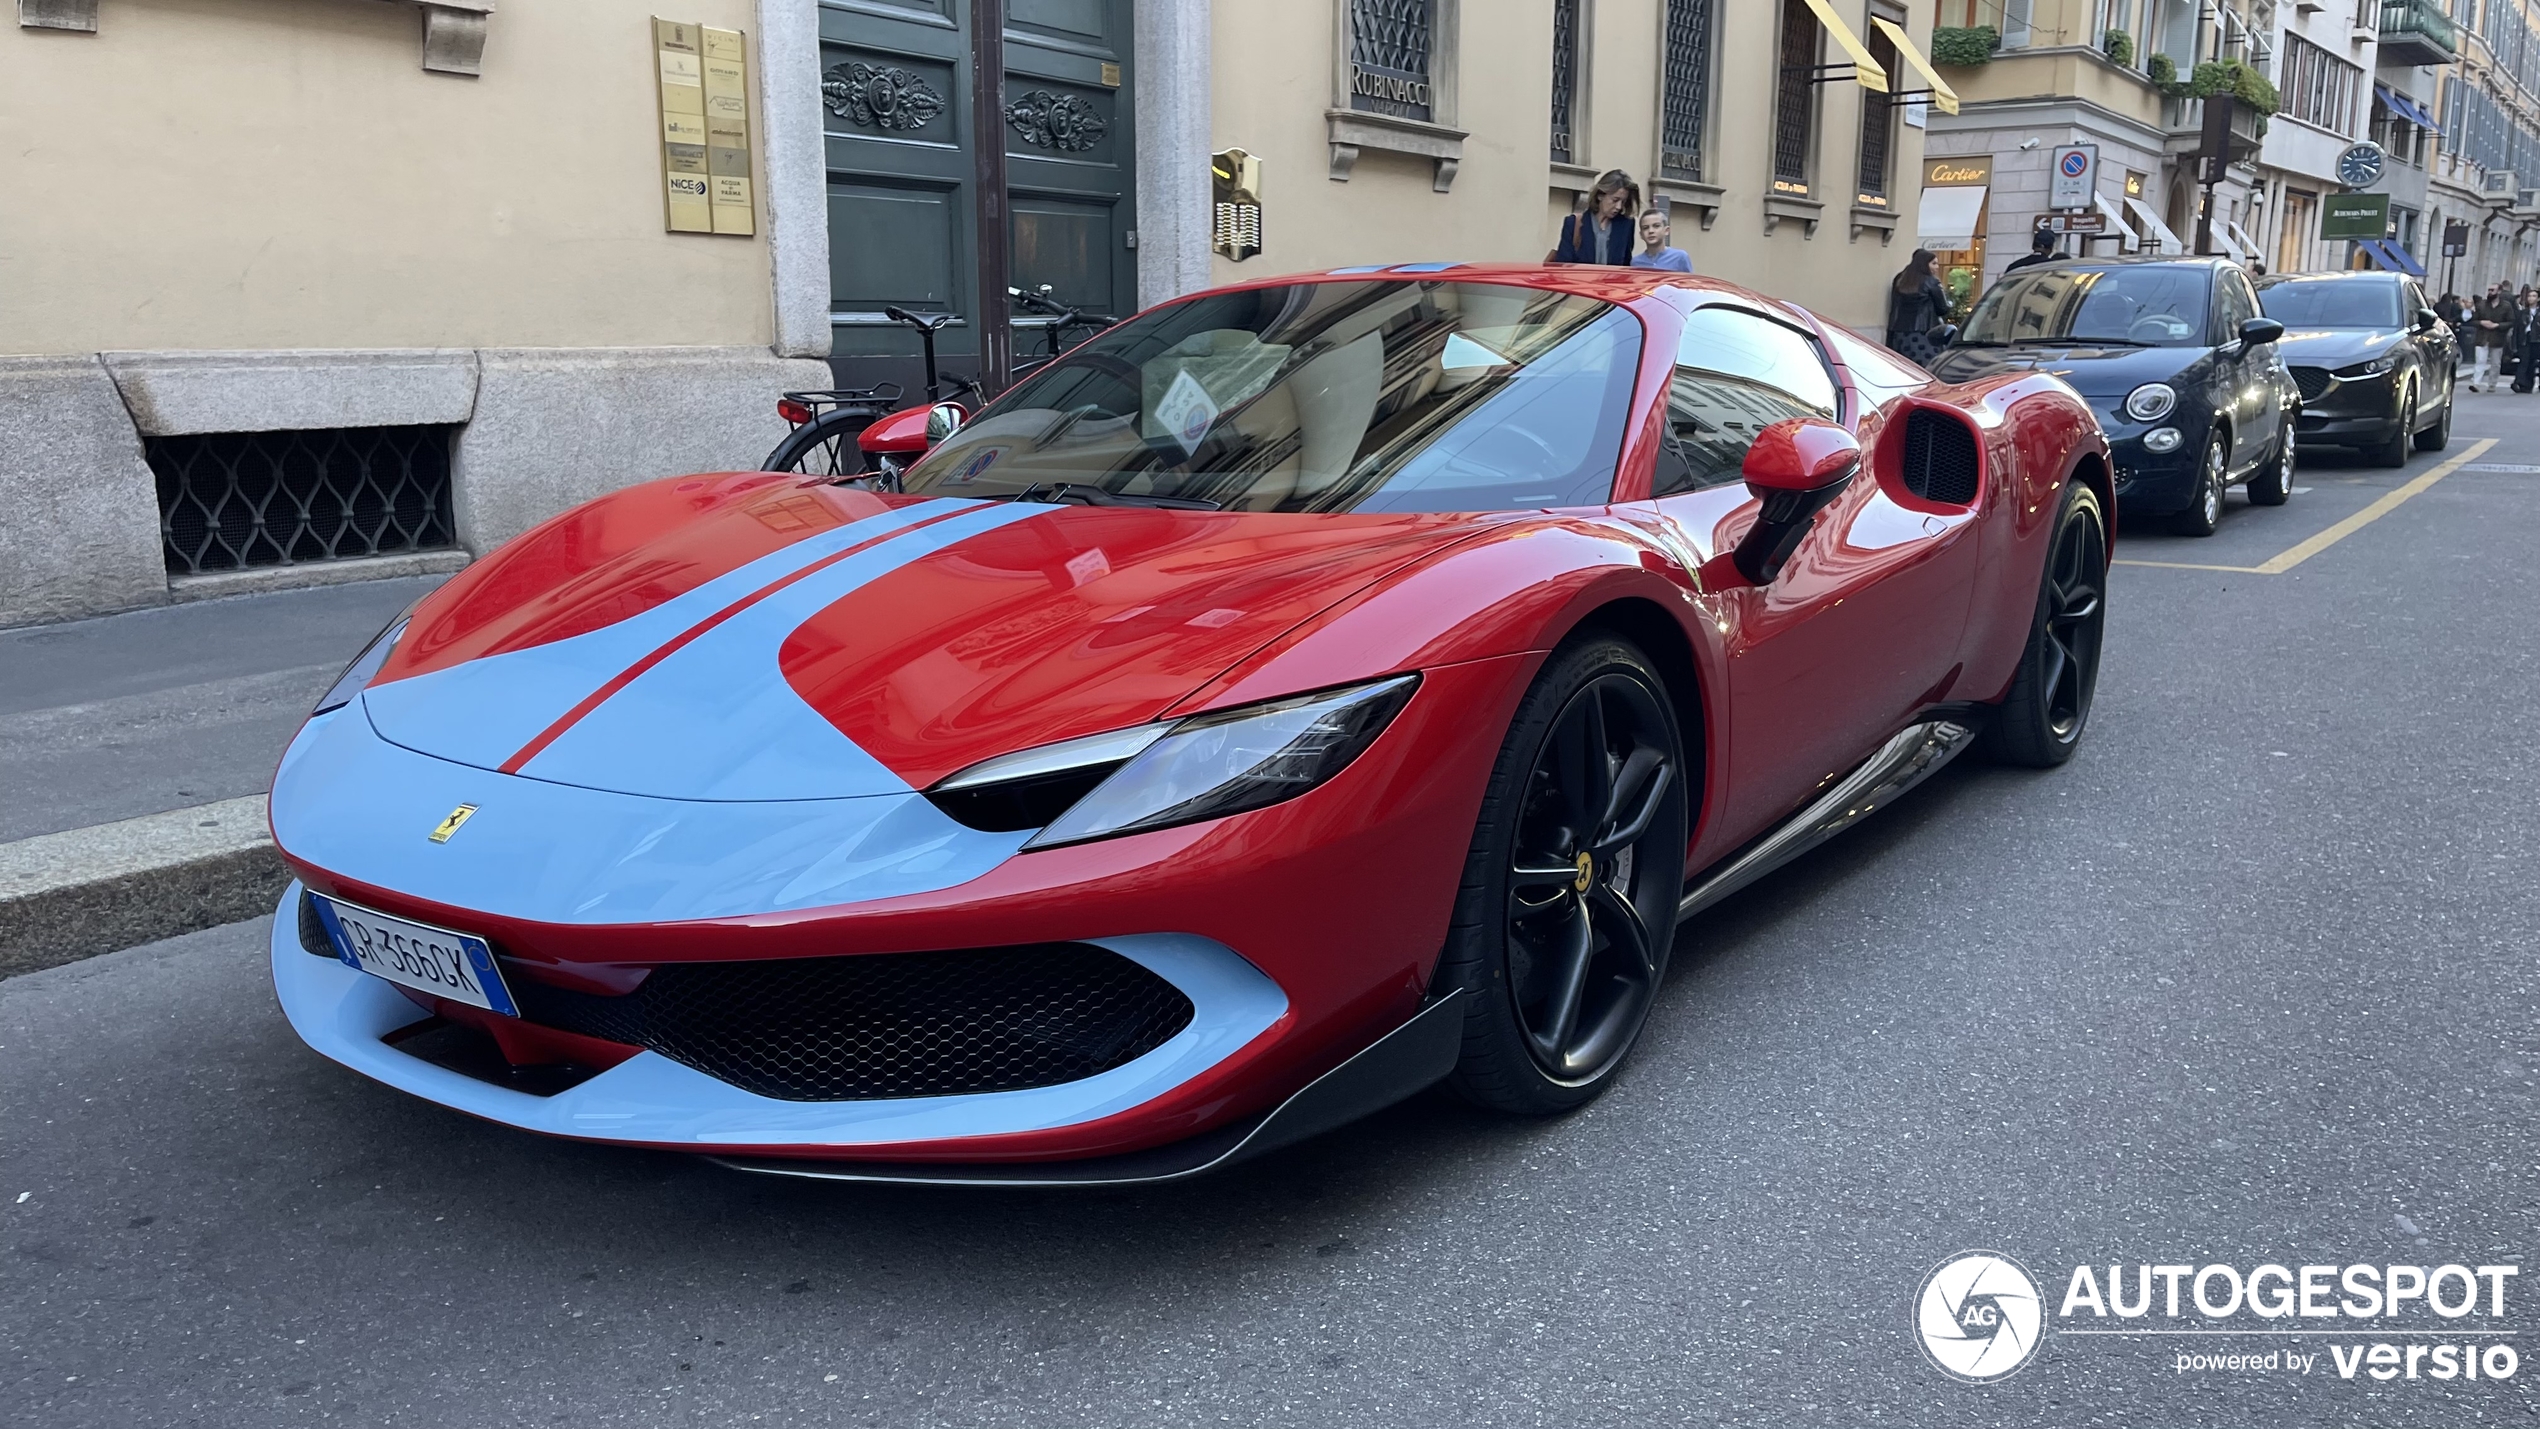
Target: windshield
[1373, 396]
[2336, 302]
[2152, 306]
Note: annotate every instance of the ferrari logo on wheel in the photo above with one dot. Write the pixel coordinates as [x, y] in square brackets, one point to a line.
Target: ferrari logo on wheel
[1587, 873]
[441, 832]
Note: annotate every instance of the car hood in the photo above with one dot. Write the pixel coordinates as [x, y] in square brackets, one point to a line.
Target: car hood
[2099, 372]
[766, 638]
[2334, 347]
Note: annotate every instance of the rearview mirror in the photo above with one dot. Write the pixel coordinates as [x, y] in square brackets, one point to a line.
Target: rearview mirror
[2258, 332]
[1796, 468]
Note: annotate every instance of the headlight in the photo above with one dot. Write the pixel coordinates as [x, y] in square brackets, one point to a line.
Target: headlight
[365, 666]
[2151, 402]
[1160, 775]
[2163, 441]
[2380, 366]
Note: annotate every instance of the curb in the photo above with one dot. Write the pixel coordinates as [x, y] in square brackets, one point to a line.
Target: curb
[82, 892]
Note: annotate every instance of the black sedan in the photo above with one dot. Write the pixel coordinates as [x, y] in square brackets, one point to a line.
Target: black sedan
[2172, 355]
[2373, 361]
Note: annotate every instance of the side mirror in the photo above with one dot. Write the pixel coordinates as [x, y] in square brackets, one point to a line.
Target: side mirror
[1796, 469]
[942, 420]
[2258, 332]
[2427, 319]
[1943, 335]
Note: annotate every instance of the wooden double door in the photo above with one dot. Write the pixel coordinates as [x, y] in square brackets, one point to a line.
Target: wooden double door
[907, 205]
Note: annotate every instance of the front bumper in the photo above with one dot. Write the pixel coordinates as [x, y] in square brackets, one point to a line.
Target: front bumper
[1330, 908]
[2155, 483]
[651, 1100]
[2359, 412]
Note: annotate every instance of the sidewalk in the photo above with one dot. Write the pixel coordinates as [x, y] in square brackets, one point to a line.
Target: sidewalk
[135, 753]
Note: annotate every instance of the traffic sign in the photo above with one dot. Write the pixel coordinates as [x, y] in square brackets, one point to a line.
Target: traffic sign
[2456, 240]
[2076, 176]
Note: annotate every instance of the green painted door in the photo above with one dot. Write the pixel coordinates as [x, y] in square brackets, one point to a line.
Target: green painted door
[904, 206]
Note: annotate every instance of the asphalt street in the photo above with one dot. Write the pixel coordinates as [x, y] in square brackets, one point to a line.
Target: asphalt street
[2252, 980]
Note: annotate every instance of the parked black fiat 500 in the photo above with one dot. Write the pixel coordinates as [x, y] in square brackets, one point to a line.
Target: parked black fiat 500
[2172, 355]
[2373, 361]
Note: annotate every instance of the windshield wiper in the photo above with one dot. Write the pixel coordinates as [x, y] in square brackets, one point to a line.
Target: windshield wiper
[2104, 342]
[1072, 493]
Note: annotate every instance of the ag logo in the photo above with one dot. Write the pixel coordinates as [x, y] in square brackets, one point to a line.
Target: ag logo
[1978, 1315]
[441, 832]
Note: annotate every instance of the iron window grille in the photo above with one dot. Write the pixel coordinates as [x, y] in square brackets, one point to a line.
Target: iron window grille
[1389, 44]
[1687, 100]
[1795, 106]
[234, 500]
[1565, 80]
[1878, 122]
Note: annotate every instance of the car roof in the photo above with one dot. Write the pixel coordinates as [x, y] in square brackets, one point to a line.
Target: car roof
[2349, 276]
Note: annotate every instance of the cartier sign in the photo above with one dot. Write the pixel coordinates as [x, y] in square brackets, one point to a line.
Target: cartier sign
[1956, 173]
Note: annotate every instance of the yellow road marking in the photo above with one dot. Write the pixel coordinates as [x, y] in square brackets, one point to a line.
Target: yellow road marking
[2390, 501]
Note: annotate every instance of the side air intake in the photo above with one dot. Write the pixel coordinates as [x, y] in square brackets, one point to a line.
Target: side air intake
[1940, 457]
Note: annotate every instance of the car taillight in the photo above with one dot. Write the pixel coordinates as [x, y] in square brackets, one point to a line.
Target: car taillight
[793, 411]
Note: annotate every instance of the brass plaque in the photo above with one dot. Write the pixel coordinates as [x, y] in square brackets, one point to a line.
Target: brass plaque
[679, 77]
[727, 112]
[1111, 73]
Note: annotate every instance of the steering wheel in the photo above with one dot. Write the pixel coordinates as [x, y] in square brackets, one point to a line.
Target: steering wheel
[2157, 327]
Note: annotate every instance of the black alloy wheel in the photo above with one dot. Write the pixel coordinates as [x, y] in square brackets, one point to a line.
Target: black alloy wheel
[2204, 513]
[2040, 722]
[2274, 486]
[2394, 452]
[2435, 438]
[1569, 901]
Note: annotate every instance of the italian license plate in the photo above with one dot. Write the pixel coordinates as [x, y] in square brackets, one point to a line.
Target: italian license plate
[457, 966]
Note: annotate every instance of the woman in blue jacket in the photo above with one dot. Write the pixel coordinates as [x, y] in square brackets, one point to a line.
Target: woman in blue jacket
[1603, 234]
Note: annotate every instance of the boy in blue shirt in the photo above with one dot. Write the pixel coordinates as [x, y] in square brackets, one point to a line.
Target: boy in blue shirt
[1654, 252]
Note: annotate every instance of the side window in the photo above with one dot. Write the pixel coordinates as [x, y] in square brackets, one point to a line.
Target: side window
[1736, 374]
[2236, 305]
[1879, 373]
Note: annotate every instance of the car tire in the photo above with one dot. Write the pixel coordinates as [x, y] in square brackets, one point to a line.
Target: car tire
[2435, 438]
[2274, 485]
[1541, 942]
[2040, 722]
[2204, 514]
[2394, 452]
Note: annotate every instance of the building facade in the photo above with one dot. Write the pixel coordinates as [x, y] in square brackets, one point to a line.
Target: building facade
[2447, 92]
[1467, 130]
[330, 289]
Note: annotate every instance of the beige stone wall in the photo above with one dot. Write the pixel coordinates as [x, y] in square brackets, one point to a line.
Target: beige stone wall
[1273, 82]
[284, 174]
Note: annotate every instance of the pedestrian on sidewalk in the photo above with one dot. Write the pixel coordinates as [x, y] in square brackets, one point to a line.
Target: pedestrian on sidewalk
[2492, 316]
[2526, 339]
[2041, 249]
[1603, 233]
[1655, 226]
[1916, 303]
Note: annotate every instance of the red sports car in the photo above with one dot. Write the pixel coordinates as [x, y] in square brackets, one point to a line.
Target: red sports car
[1300, 694]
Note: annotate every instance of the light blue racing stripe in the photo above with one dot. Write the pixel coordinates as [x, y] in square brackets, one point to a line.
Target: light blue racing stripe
[717, 719]
[482, 712]
[357, 805]
[650, 1098]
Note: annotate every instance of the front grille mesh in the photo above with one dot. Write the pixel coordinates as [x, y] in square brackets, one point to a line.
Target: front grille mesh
[1940, 458]
[886, 1025]
[2313, 381]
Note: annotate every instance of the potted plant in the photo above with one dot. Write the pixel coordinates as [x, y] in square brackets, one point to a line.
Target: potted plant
[1965, 46]
[2119, 47]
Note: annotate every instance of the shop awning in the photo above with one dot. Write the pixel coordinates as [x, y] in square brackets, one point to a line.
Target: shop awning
[1942, 97]
[2116, 221]
[2162, 239]
[2230, 246]
[1866, 72]
[2390, 257]
[2406, 108]
[2248, 244]
[1950, 217]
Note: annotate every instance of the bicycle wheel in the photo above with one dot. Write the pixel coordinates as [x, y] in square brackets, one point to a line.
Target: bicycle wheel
[823, 446]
